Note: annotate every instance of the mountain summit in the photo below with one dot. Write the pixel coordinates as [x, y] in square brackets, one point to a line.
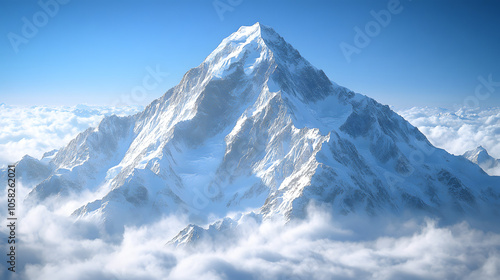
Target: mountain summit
[481, 157]
[256, 127]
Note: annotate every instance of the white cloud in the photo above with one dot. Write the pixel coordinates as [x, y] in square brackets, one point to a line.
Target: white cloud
[54, 247]
[458, 131]
[36, 130]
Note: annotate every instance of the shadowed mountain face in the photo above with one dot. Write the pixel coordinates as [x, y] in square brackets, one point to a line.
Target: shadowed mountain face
[257, 127]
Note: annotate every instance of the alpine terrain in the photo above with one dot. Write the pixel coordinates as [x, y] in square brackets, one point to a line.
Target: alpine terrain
[481, 157]
[257, 130]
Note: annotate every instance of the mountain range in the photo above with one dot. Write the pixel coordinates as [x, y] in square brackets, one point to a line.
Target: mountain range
[257, 130]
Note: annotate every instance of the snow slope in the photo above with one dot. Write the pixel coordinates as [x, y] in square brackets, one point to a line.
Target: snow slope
[256, 127]
[481, 157]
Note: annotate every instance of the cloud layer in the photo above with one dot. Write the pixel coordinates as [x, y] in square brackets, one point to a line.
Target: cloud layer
[39, 129]
[54, 247]
[458, 131]
[36, 130]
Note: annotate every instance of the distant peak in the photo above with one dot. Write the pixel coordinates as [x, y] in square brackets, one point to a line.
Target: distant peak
[480, 150]
[479, 154]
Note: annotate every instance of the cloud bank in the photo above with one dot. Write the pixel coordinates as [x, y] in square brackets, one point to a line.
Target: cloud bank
[55, 247]
[39, 129]
[52, 245]
[458, 131]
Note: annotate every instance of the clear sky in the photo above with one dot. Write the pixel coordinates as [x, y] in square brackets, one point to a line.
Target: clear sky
[430, 53]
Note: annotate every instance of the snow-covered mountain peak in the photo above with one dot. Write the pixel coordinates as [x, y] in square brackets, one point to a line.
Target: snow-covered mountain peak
[257, 30]
[481, 157]
[254, 48]
[254, 32]
[245, 47]
[247, 31]
[257, 127]
[479, 154]
[480, 149]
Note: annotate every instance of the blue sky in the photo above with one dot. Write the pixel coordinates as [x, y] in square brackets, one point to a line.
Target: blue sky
[430, 53]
